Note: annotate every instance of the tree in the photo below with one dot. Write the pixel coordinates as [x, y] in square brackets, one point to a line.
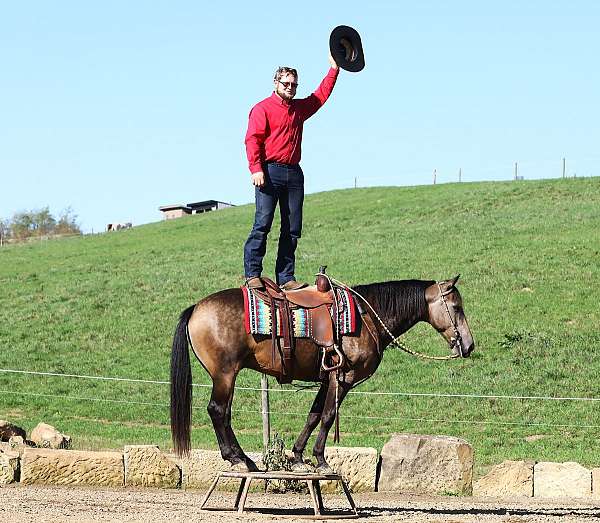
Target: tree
[40, 222]
[67, 223]
[4, 230]
[21, 225]
[43, 222]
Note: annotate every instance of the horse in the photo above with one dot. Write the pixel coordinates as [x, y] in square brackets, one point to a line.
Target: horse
[214, 327]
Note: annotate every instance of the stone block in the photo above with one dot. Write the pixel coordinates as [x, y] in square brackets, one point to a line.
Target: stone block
[357, 465]
[46, 436]
[72, 467]
[16, 441]
[9, 466]
[200, 469]
[416, 463]
[12, 447]
[558, 480]
[147, 466]
[509, 479]
[596, 483]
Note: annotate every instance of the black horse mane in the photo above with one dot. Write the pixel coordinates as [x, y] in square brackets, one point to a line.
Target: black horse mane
[401, 300]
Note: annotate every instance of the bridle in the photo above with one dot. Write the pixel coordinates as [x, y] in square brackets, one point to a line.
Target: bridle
[456, 340]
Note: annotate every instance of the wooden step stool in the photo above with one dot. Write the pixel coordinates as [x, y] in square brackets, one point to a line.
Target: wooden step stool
[312, 480]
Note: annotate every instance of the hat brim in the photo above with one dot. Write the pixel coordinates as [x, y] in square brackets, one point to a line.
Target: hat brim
[345, 46]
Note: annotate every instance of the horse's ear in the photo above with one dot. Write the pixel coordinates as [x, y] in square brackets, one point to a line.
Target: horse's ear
[447, 285]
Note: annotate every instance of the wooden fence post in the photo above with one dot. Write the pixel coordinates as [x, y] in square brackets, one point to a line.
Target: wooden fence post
[266, 422]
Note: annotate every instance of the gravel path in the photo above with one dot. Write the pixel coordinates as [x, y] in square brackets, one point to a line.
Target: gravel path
[78, 504]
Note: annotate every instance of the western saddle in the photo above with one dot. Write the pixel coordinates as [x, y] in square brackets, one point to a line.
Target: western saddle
[322, 304]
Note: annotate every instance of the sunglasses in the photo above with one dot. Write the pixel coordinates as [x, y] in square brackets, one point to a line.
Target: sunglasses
[287, 85]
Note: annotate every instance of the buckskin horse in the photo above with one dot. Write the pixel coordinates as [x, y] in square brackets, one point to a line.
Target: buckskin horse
[215, 329]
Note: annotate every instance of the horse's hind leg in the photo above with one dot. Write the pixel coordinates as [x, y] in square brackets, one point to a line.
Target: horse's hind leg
[219, 410]
[327, 419]
[314, 416]
[250, 465]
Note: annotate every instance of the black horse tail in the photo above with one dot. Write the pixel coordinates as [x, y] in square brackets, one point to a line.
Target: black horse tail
[181, 386]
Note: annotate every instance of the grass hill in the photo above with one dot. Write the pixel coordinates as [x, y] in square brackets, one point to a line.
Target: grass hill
[528, 252]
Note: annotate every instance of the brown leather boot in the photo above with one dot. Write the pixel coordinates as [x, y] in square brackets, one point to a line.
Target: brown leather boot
[255, 283]
[293, 285]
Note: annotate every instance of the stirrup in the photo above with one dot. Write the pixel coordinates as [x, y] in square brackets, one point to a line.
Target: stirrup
[333, 367]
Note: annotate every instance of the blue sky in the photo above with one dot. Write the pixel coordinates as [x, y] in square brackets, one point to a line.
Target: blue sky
[115, 108]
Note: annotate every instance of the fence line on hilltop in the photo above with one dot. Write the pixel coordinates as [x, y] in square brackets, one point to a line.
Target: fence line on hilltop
[562, 168]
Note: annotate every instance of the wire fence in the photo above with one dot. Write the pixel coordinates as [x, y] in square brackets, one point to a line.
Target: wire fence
[303, 414]
[541, 169]
[295, 390]
[545, 169]
[284, 390]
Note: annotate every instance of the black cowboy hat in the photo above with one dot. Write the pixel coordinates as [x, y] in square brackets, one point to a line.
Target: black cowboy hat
[346, 48]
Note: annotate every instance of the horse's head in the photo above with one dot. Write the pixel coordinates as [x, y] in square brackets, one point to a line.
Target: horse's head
[446, 315]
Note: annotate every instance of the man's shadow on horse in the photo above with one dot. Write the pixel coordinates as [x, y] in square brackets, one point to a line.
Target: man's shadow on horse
[215, 329]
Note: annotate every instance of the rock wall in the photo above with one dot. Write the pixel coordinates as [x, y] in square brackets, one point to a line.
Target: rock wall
[510, 478]
[557, 480]
[417, 463]
[409, 463]
[147, 466]
[357, 465]
[540, 480]
[72, 467]
[200, 469]
[9, 466]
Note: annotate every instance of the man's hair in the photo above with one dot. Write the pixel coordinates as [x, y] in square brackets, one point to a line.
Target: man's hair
[282, 71]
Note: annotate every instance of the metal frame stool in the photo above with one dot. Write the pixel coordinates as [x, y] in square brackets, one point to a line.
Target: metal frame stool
[311, 479]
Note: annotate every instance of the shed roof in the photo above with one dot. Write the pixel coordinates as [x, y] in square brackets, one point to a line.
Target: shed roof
[173, 207]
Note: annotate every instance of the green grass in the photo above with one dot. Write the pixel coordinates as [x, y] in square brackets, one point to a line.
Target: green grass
[528, 253]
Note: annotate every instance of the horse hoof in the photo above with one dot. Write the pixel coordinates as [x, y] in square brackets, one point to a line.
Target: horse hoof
[251, 466]
[300, 466]
[239, 467]
[325, 469]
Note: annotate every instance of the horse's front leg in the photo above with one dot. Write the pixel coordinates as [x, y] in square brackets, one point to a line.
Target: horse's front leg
[312, 421]
[327, 419]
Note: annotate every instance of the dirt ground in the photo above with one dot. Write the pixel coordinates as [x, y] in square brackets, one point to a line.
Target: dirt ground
[69, 504]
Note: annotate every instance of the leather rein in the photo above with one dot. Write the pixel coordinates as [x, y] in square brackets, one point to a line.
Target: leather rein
[456, 340]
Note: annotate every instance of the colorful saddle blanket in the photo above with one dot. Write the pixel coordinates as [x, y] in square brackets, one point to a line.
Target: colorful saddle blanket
[257, 315]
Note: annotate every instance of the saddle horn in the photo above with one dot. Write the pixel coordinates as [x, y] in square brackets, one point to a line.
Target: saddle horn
[322, 281]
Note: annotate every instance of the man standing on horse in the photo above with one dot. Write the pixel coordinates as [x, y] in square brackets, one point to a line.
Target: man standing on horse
[273, 146]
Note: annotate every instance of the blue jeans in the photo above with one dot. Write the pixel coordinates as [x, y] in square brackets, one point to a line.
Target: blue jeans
[283, 184]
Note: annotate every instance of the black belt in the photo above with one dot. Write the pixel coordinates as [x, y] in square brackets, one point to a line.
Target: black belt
[272, 162]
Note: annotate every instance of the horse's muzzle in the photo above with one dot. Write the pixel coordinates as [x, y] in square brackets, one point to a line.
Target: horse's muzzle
[460, 349]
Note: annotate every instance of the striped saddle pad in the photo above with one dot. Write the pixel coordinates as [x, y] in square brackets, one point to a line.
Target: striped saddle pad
[257, 315]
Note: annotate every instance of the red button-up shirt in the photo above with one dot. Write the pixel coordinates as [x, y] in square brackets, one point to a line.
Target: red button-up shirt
[275, 125]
